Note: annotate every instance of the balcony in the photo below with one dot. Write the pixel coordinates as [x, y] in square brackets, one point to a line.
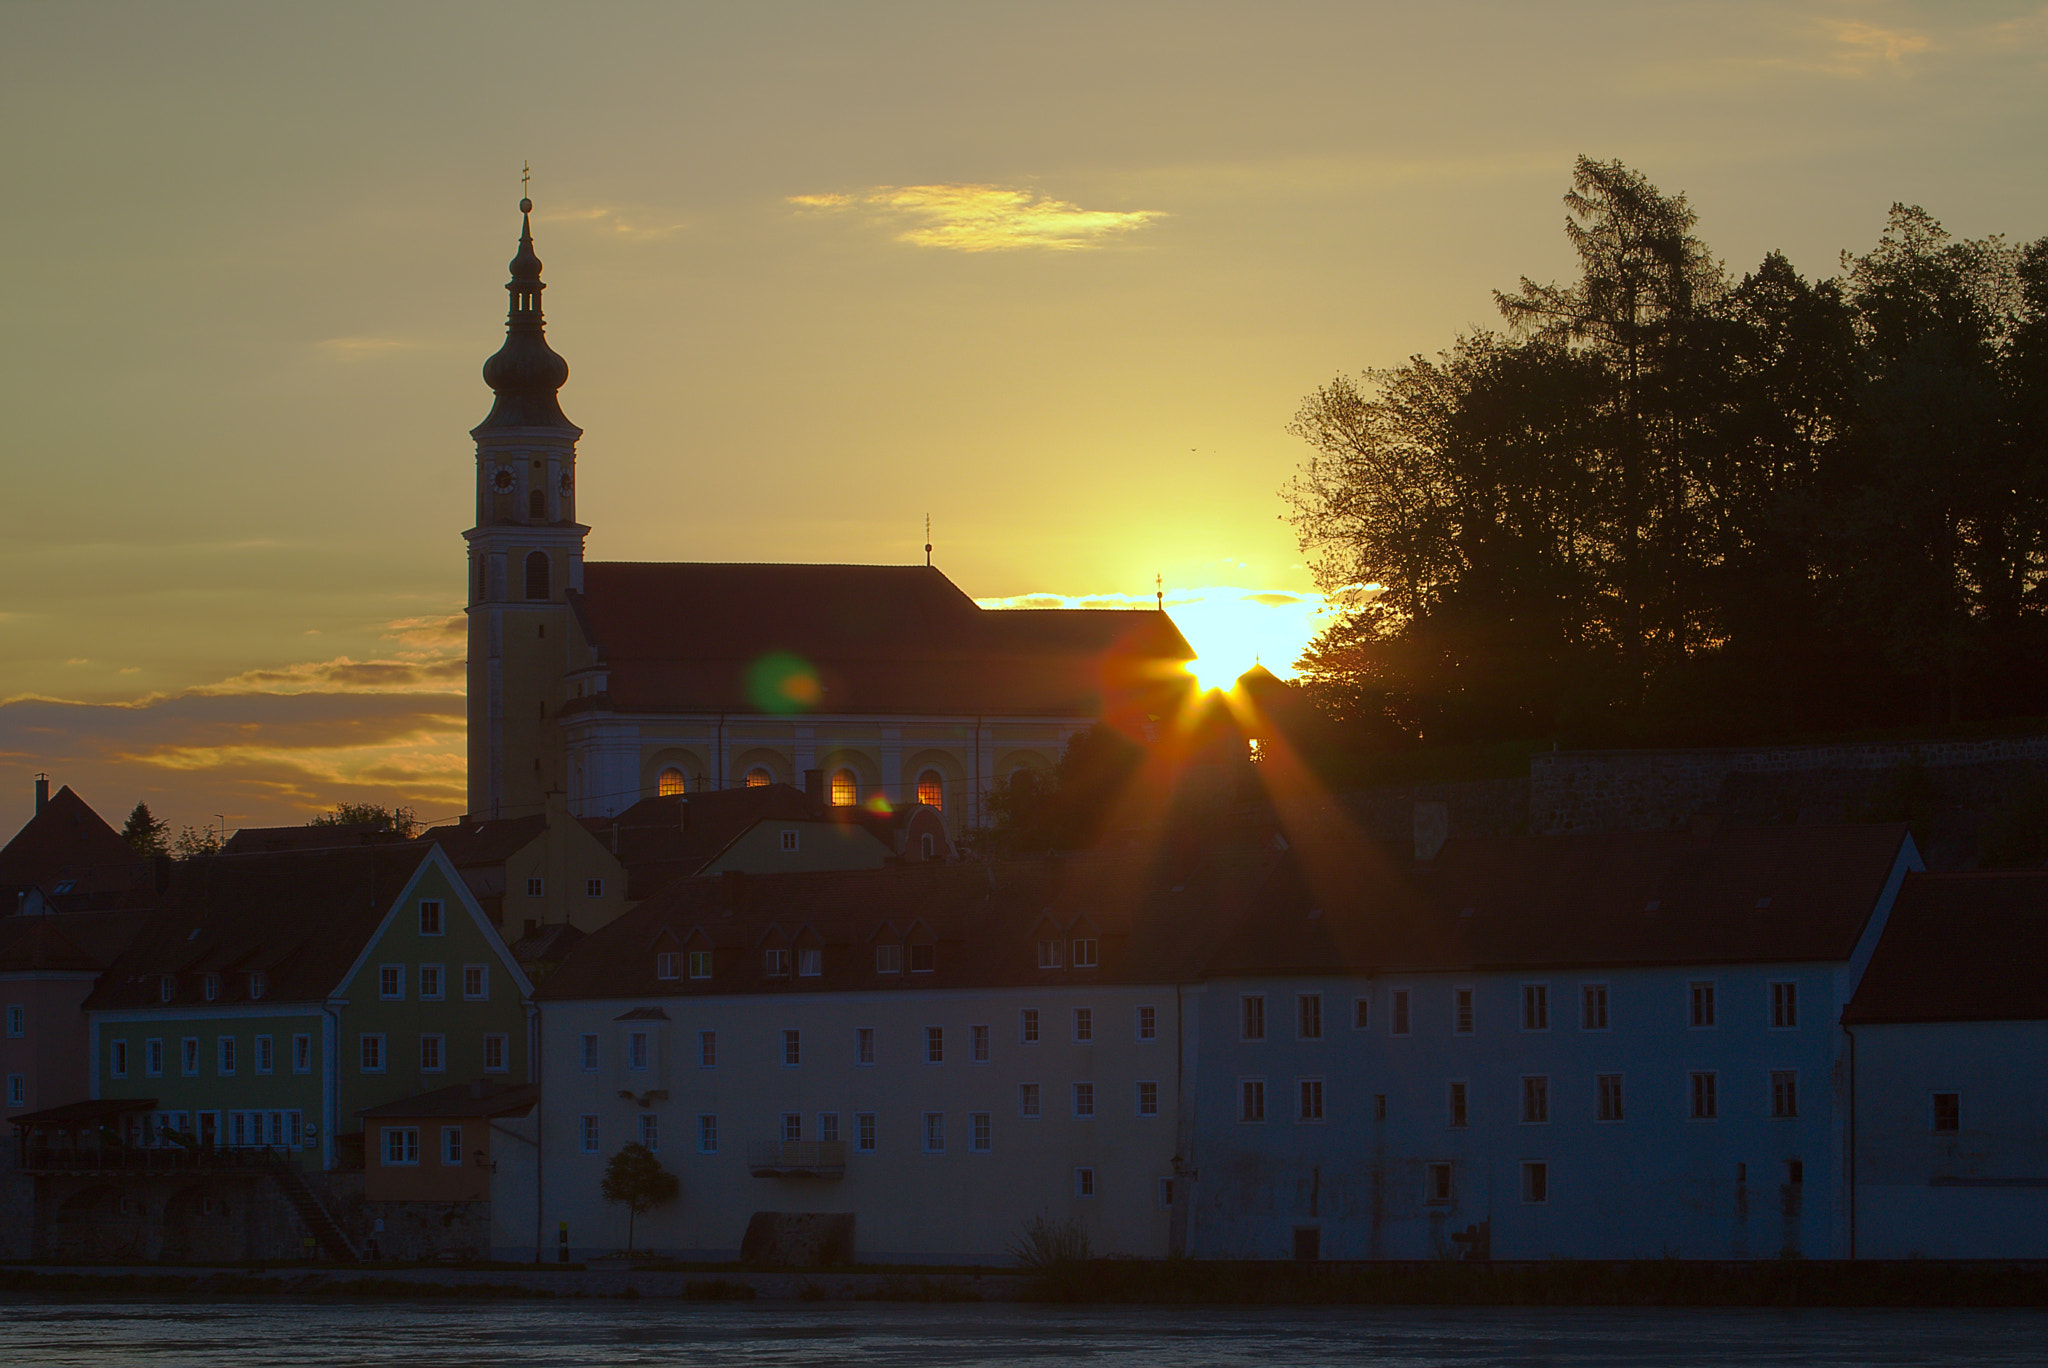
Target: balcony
[797, 1158]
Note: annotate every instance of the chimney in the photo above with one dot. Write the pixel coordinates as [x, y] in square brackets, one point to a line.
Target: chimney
[42, 791]
[1432, 826]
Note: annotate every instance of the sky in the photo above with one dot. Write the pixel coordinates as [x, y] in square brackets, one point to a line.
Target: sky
[1056, 275]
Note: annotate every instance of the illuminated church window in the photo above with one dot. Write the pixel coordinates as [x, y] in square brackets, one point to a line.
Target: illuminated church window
[759, 778]
[671, 782]
[931, 789]
[845, 788]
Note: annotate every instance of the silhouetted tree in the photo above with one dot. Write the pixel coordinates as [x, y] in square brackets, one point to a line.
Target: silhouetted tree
[146, 832]
[635, 1179]
[402, 822]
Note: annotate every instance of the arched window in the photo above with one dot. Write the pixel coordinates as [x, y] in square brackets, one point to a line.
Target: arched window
[845, 788]
[537, 575]
[537, 505]
[671, 782]
[931, 789]
[759, 778]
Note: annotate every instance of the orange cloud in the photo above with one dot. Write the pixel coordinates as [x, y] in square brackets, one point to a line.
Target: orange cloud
[983, 218]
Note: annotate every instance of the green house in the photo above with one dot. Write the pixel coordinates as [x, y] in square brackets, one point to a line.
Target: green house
[271, 998]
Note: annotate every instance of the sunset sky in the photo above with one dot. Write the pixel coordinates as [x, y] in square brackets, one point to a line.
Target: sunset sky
[1056, 274]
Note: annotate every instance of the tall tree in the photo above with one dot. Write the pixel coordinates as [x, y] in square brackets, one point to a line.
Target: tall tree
[146, 832]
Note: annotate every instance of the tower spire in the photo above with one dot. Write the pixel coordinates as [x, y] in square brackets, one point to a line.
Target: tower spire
[525, 373]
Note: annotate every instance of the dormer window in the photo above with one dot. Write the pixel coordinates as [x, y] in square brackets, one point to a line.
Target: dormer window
[1084, 952]
[1049, 953]
[258, 982]
[209, 986]
[700, 964]
[888, 959]
[167, 988]
[810, 961]
[665, 964]
[775, 963]
[921, 958]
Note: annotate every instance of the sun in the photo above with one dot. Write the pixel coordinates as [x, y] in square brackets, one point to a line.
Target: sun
[1235, 629]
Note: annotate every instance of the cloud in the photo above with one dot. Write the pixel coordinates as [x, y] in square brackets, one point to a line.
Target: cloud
[982, 218]
[1861, 48]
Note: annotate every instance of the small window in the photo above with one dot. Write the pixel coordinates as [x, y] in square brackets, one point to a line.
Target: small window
[1535, 1006]
[1050, 953]
[1308, 1009]
[372, 1052]
[401, 1146]
[266, 1055]
[792, 1048]
[789, 841]
[433, 1053]
[792, 1128]
[1084, 1101]
[17, 1090]
[587, 1052]
[1784, 1092]
[1593, 1007]
[189, 1051]
[117, 1058]
[259, 983]
[1361, 1014]
[707, 1049]
[984, 1131]
[494, 1053]
[588, 1126]
[153, 1058]
[931, 789]
[1027, 1099]
[1608, 1089]
[864, 1045]
[302, 1054]
[670, 783]
[1706, 1104]
[888, 959]
[864, 1132]
[1148, 1023]
[1166, 1194]
[1437, 1189]
[928, 846]
[1148, 1099]
[1027, 1026]
[810, 962]
[775, 962]
[430, 983]
[1084, 1025]
[934, 1132]
[828, 1127]
[1460, 1115]
[1784, 1006]
[978, 1044]
[636, 1050]
[845, 788]
[1535, 1099]
[666, 964]
[1252, 1016]
[593, 888]
[700, 964]
[537, 575]
[1535, 1182]
[1702, 1004]
[1461, 1011]
[1251, 1099]
[17, 1020]
[1084, 1182]
[1310, 1093]
[1085, 952]
[430, 918]
[209, 986]
[934, 1044]
[650, 1132]
[921, 957]
[759, 778]
[707, 1133]
[1948, 1113]
[166, 987]
[476, 982]
[391, 981]
[536, 887]
[225, 1046]
[451, 1146]
[1400, 1025]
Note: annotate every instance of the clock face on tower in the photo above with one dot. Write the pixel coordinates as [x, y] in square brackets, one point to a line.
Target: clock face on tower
[501, 481]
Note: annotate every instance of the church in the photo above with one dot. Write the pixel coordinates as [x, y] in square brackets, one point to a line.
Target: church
[595, 684]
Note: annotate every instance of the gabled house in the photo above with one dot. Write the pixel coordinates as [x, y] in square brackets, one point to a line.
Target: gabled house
[1950, 1030]
[535, 872]
[66, 858]
[48, 965]
[272, 998]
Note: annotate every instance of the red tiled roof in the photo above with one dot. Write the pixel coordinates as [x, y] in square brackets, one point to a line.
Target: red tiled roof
[1960, 947]
[881, 639]
[470, 845]
[309, 836]
[300, 917]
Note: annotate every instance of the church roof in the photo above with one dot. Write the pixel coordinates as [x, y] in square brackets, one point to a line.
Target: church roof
[875, 639]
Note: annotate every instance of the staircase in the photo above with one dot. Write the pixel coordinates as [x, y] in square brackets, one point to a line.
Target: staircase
[326, 1230]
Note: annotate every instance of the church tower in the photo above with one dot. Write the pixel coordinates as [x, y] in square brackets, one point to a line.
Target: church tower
[525, 557]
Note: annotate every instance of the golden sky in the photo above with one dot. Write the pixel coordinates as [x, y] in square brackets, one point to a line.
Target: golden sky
[1055, 274]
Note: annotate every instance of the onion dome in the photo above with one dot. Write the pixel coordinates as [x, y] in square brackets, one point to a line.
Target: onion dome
[526, 372]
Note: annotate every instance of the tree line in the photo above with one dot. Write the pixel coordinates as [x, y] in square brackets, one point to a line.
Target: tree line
[1664, 505]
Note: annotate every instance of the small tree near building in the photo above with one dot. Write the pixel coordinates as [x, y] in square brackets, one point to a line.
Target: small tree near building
[635, 1179]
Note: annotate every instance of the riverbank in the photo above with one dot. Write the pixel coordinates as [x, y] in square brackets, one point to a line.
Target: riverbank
[1650, 1282]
